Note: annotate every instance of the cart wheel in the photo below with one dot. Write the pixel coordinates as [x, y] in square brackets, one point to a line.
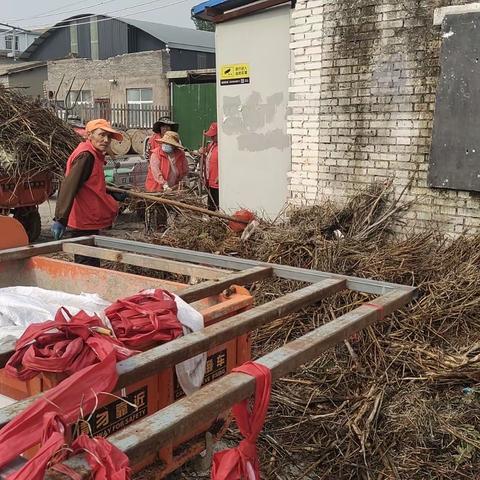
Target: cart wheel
[30, 218]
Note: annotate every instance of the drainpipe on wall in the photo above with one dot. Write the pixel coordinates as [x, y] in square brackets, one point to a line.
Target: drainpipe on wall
[13, 45]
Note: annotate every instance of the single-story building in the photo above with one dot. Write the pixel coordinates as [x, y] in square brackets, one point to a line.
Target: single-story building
[135, 79]
[322, 97]
[27, 77]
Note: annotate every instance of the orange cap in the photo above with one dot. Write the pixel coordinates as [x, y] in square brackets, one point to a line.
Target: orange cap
[103, 125]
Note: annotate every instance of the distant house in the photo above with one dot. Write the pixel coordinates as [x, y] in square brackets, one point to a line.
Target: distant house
[100, 37]
[13, 43]
[26, 77]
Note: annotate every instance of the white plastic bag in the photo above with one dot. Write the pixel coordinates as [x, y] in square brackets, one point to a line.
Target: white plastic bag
[22, 306]
[190, 373]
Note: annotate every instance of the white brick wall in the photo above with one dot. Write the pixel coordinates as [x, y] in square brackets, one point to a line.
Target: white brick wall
[362, 96]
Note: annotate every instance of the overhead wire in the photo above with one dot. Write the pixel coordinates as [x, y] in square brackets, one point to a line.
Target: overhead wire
[127, 15]
[49, 14]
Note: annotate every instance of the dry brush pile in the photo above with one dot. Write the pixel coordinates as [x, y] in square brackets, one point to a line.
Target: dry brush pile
[32, 139]
[401, 400]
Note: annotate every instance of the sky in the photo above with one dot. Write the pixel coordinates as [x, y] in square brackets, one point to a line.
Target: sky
[30, 14]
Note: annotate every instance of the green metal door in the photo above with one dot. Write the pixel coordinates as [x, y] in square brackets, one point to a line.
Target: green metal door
[194, 109]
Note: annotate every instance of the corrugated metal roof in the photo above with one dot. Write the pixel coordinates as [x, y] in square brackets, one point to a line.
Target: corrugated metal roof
[176, 37]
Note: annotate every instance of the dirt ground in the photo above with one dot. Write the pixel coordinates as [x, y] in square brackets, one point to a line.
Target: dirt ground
[128, 225]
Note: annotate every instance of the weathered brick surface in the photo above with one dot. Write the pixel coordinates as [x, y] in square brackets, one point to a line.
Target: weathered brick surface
[363, 82]
[133, 70]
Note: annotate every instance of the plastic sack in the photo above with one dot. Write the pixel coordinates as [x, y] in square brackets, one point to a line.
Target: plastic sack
[241, 462]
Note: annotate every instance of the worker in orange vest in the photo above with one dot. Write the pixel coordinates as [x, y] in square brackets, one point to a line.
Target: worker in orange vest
[168, 164]
[159, 128]
[83, 203]
[211, 166]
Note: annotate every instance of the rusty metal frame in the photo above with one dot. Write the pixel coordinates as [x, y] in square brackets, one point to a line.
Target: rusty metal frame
[193, 258]
[161, 428]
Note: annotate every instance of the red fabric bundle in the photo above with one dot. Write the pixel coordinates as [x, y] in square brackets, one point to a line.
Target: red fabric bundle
[80, 390]
[62, 346]
[107, 462]
[241, 463]
[143, 320]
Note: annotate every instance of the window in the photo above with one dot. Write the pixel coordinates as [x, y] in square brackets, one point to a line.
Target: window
[140, 111]
[9, 40]
[139, 96]
[202, 60]
[84, 98]
[73, 38]
[94, 37]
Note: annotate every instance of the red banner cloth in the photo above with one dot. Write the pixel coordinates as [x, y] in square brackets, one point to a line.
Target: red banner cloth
[143, 320]
[241, 463]
[62, 346]
[106, 461]
[78, 392]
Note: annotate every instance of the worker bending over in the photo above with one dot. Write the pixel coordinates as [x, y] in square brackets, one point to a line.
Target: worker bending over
[211, 167]
[168, 165]
[159, 128]
[83, 203]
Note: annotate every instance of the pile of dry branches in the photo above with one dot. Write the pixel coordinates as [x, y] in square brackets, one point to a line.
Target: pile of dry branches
[32, 139]
[403, 399]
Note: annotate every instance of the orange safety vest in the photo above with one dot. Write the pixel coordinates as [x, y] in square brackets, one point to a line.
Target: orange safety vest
[151, 185]
[212, 164]
[93, 208]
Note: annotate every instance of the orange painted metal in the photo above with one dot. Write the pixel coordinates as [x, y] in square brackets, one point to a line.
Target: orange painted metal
[159, 390]
[12, 233]
[25, 192]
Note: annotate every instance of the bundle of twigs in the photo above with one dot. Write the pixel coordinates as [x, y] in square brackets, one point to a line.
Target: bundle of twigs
[158, 216]
[401, 400]
[32, 139]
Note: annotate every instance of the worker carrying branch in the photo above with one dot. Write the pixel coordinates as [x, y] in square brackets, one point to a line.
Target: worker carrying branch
[168, 165]
[83, 203]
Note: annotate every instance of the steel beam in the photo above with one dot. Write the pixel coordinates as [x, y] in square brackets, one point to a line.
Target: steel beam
[20, 253]
[154, 263]
[214, 287]
[282, 271]
[178, 419]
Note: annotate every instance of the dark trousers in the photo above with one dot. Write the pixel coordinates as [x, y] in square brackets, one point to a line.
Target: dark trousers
[213, 198]
[82, 259]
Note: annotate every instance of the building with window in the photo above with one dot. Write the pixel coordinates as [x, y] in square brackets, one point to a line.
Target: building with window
[13, 43]
[127, 89]
[356, 92]
[98, 37]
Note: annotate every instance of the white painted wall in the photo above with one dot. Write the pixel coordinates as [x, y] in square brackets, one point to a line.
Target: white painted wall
[254, 148]
[25, 39]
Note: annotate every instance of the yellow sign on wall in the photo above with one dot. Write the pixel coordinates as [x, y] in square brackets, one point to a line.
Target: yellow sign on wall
[235, 74]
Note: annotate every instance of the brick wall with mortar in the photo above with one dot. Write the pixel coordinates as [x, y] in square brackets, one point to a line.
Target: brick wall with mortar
[133, 70]
[362, 95]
